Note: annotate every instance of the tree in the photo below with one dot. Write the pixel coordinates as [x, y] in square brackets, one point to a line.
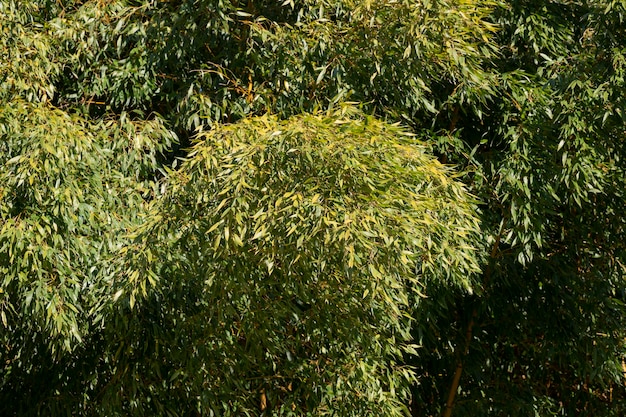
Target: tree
[286, 254]
[183, 187]
[70, 190]
[547, 330]
[277, 269]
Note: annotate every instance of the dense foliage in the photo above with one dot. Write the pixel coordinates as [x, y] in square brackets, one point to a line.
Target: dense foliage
[315, 207]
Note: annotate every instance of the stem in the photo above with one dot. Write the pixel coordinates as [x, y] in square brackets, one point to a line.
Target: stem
[459, 367]
[468, 333]
[455, 119]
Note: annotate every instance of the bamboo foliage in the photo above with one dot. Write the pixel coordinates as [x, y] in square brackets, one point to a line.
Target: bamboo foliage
[297, 252]
[315, 207]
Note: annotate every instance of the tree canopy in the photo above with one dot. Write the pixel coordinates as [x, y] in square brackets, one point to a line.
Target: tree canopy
[316, 207]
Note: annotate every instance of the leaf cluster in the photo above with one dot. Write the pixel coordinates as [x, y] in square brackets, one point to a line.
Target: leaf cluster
[287, 260]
